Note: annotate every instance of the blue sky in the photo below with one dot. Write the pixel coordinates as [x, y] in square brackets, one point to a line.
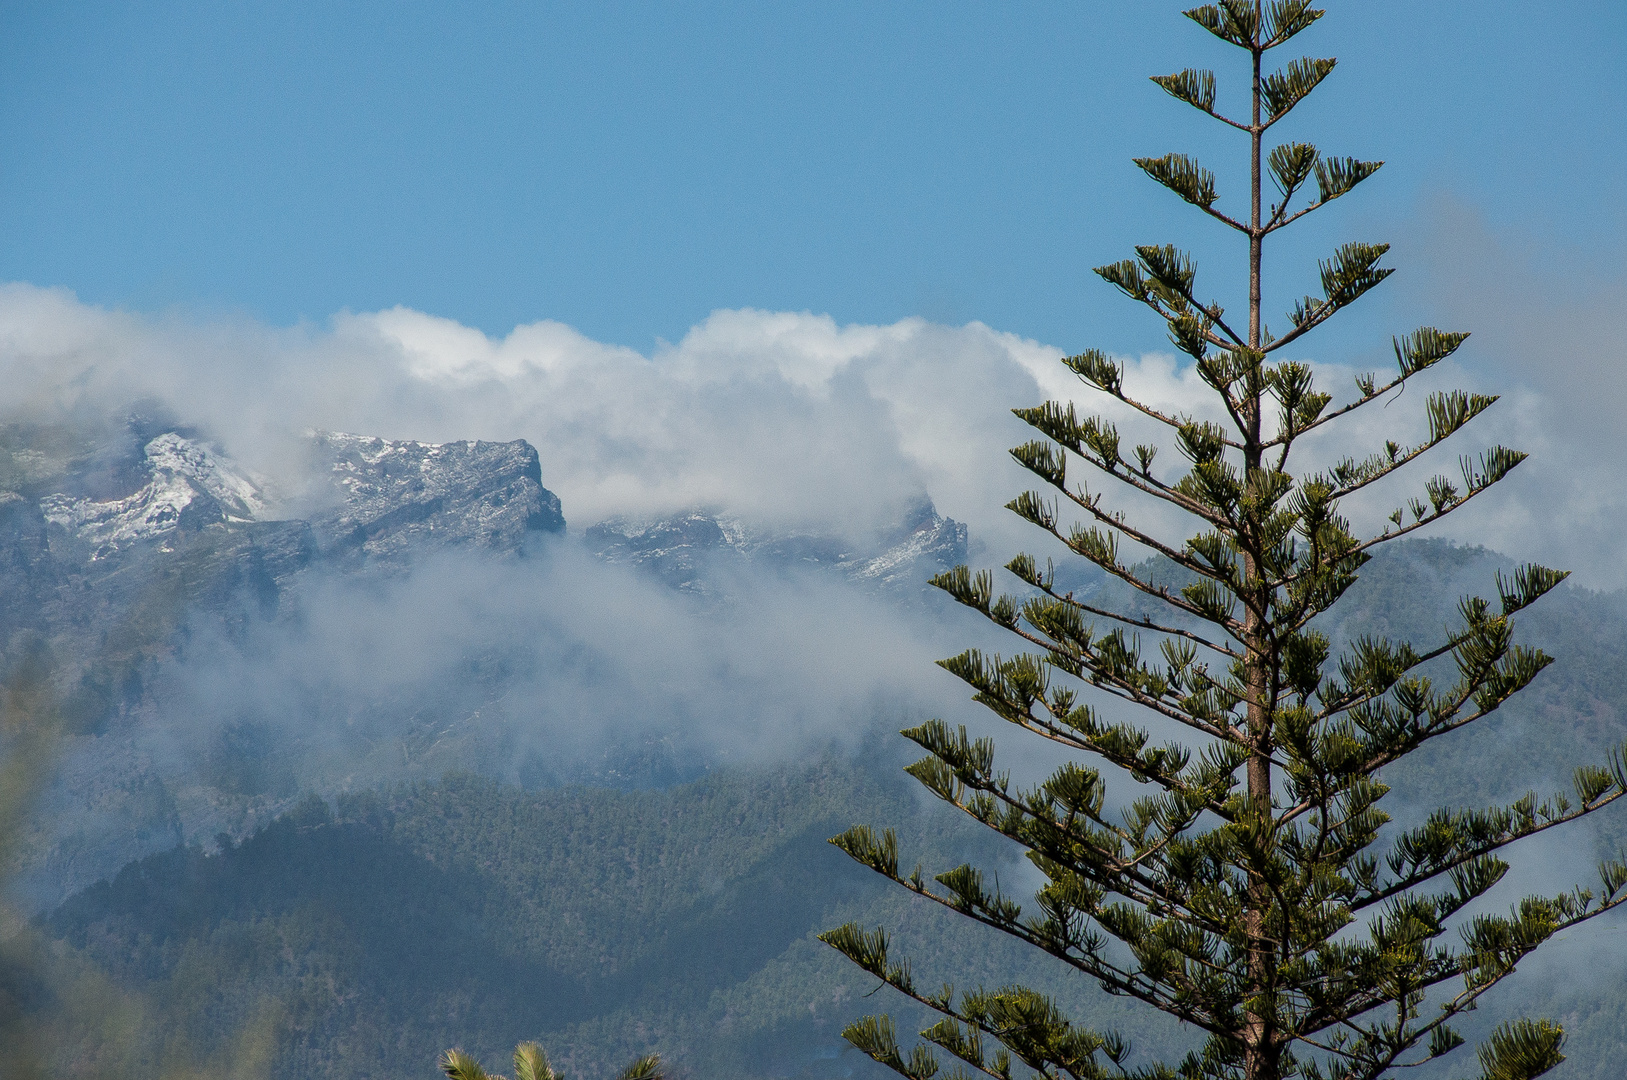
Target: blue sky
[627, 168]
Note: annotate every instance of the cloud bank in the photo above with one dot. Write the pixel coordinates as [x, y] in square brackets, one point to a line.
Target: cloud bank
[783, 417]
[567, 668]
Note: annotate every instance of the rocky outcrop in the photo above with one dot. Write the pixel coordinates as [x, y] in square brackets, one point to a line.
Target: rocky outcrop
[685, 549]
[922, 545]
[133, 539]
[387, 498]
[396, 497]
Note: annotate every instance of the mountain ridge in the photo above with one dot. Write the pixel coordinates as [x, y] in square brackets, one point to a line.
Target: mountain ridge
[128, 555]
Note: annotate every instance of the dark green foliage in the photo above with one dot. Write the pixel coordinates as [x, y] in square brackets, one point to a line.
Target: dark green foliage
[1183, 176]
[1196, 88]
[1249, 882]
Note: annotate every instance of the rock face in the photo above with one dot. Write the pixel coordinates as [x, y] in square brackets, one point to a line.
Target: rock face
[396, 497]
[681, 549]
[674, 549]
[136, 533]
[923, 544]
[109, 540]
[389, 498]
[188, 487]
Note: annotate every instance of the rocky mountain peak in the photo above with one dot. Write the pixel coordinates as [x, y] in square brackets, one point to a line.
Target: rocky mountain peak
[188, 486]
[393, 495]
[679, 548]
[385, 497]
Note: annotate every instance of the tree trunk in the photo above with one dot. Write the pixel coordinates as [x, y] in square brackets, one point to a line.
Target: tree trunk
[1259, 1037]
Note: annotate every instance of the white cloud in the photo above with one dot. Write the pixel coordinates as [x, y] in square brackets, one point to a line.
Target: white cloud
[782, 416]
[1546, 327]
[441, 351]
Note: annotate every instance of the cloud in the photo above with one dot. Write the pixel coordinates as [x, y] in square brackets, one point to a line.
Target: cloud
[786, 417]
[1546, 331]
[783, 417]
[780, 416]
[546, 667]
[792, 418]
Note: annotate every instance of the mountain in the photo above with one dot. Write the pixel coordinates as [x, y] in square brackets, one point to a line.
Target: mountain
[684, 550]
[125, 547]
[377, 932]
[402, 498]
[375, 499]
[99, 527]
[117, 544]
[200, 620]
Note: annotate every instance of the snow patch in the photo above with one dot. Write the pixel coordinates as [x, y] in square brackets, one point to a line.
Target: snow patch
[239, 496]
[188, 480]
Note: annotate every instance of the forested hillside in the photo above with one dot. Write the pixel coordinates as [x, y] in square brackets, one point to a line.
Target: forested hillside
[360, 935]
[371, 935]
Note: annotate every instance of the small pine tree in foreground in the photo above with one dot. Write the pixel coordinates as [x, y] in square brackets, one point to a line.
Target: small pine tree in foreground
[1253, 891]
[530, 1063]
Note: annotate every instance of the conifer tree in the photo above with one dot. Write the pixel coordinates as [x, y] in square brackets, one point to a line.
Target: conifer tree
[1252, 891]
[531, 1063]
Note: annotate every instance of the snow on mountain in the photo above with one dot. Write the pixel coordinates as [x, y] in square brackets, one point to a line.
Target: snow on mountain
[190, 486]
[680, 547]
[242, 498]
[936, 544]
[397, 495]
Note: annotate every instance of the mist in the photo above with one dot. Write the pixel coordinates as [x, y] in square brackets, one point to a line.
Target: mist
[547, 667]
[560, 668]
